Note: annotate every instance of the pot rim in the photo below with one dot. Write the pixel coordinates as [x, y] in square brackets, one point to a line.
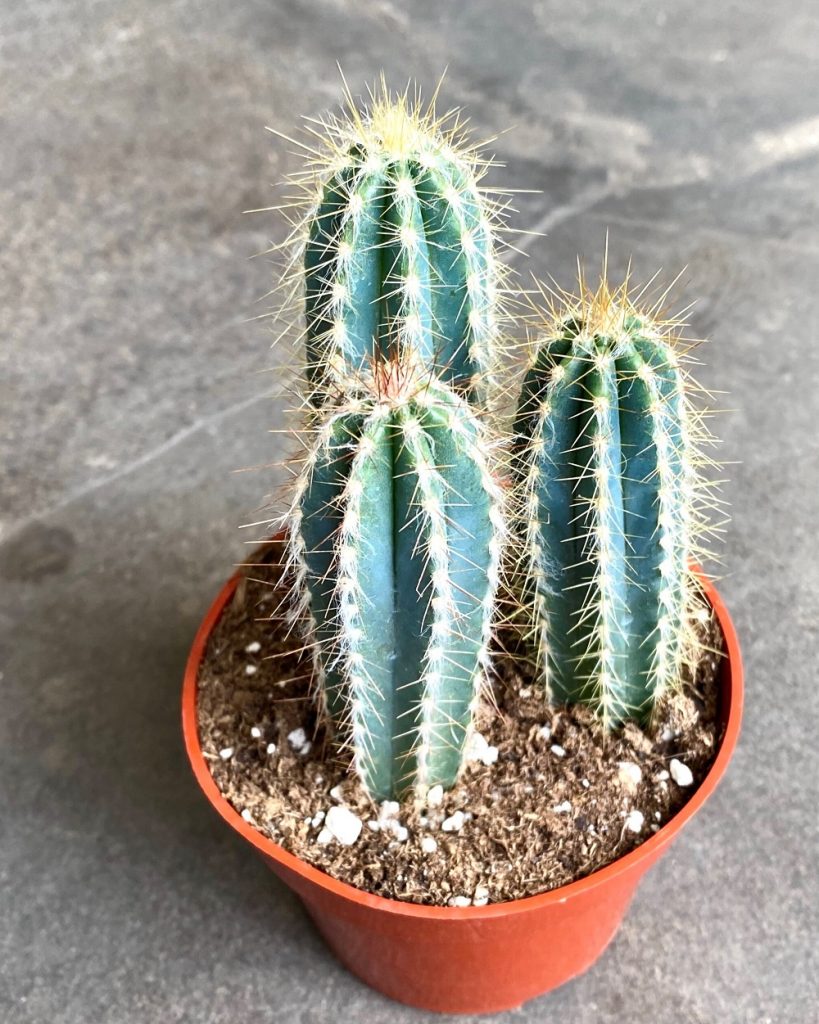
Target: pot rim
[732, 691]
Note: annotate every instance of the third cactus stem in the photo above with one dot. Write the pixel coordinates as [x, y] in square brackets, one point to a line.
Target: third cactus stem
[607, 497]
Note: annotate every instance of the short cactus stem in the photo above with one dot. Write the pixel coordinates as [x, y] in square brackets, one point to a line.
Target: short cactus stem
[608, 503]
[398, 249]
[395, 535]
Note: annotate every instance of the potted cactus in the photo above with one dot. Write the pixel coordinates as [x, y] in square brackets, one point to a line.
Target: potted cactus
[418, 516]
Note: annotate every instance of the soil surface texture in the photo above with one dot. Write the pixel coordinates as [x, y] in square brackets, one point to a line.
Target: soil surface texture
[547, 798]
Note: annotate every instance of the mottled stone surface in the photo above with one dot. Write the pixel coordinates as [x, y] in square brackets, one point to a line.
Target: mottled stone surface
[132, 140]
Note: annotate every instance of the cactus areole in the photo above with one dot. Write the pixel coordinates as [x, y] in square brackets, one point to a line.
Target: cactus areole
[607, 499]
[395, 536]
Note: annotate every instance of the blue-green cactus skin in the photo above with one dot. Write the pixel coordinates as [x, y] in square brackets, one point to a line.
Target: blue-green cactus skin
[398, 532]
[604, 485]
[399, 258]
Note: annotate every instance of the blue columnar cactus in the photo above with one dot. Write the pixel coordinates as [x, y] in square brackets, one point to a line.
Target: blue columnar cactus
[607, 500]
[395, 534]
[398, 249]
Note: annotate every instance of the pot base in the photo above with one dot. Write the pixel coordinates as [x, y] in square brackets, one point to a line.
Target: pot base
[472, 991]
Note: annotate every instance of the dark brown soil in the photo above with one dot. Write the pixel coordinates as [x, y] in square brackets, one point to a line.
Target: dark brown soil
[551, 809]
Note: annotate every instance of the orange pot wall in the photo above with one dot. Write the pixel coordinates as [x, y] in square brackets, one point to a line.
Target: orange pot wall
[471, 959]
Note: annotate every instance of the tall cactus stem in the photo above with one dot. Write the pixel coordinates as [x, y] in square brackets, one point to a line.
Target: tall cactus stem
[394, 246]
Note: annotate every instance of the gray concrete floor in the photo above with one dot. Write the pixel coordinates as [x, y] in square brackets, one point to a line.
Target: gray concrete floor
[132, 140]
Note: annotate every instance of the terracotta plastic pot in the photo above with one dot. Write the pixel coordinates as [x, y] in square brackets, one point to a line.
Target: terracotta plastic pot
[472, 959]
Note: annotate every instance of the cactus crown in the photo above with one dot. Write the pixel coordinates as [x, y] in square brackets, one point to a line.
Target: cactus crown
[395, 244]
[395, 536]
[610, 503]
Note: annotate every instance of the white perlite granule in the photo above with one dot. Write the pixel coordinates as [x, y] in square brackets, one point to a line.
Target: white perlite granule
[680, 772]
[481, 896]
[635, 821]
[479, 750]
[435, 796]
[630, 775]
[343, 825]
[299, 742]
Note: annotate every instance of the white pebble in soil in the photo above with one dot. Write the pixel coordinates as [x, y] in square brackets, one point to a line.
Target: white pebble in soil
[481, 896]
[680, 772]
[428, 844]
[247, 815]
[299, 742]
[585, 783]
[544, 733]
[256, 732]
[393, 826]
[271, 748]
[388, 809]
[563, 808]
[630, 775]
[343, 825]
[557, 750]
[226, 753]
[454, 823]
[336, 794]
[324, 837]
[635, 821]
[251, 670]
[662, 776]
[479, 750]
[253, 647]
[460, 901]
[435, 796]
[317, 819]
